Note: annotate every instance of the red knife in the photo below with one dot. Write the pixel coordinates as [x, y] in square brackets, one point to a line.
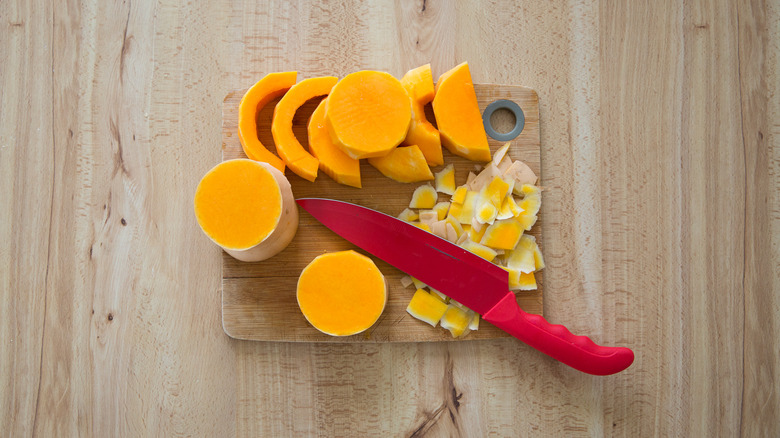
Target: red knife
[465, 277]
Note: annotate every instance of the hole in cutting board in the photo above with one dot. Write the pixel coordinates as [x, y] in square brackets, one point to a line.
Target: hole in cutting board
[503, 120]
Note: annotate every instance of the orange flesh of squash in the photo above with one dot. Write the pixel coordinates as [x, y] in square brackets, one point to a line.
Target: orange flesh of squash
[404, 164]
[238, 204]
[265, 90]
[368, 114]
[419, 85]
[333, 161]
[341, 293]
[289, 148]
[458, 116]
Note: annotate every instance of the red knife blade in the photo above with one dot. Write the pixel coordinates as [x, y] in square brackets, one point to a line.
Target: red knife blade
[464, 277]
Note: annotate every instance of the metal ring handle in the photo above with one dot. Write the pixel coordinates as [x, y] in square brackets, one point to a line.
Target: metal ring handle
[509, 106]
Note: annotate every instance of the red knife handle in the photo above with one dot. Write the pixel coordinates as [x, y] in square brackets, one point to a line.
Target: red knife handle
[557, 341]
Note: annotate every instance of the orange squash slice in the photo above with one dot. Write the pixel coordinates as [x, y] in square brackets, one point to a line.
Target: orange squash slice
[333, 161]
[458, 116]
[341, 293]
[265, 90]
[247, 208]
[289, 148]
[368, 114]
[419, 85]
[404, 164]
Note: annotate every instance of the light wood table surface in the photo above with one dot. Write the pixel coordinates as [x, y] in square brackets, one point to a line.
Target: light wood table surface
[660, 159]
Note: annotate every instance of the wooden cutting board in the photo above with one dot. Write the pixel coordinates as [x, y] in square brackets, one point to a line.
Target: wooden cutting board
[258, 299]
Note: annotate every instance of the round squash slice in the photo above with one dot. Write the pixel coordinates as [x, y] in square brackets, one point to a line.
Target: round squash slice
[247, 208]
[342, 293]
[368, 114]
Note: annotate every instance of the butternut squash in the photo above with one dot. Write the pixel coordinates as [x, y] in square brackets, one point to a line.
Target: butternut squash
[419, 85]
[265, 90]
[458, 116]
[341, 293]
[289, 148]
[404, 164]
[247, 208]
[368, 114]
[333, 161]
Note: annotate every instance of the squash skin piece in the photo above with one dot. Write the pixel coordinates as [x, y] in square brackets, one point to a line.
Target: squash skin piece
[368, 114]
[341, 293]
[241, 195]
[289, 148]
[418, 83]
[333, 161]
[263, 91]
[458, 116]
[404, 164]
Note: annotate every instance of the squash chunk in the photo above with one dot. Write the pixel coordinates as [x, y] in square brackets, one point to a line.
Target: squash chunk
[458, 115]
[426, 307]
[403, 164]
[503, 234]
[289, 148]
[368, 114]
[445, 180]
[419, 85]
[341, 293]
[333, 161]
[424, 196]
[456, 319]
[265, 90]
[247, 208]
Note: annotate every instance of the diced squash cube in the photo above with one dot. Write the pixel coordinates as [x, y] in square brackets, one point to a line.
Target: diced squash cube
[456, 320]
[460, 195]
[408, 215]
[519, 280]
[442, 208]
[474, 323]
[501, 153]
[481, 250]
[486, 213]
[429, 216]
[422, 226]
[521, 173]
[439, 228]
[445, 180]
[427, 307]
[424, 196]
[441, 295]
[465, 212]
[419, 284]
[521, 259]
[503, 234]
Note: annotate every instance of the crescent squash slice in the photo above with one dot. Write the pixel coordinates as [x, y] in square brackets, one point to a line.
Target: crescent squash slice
[419, 85]
[289, 148]
[333, 161]
[265, 90]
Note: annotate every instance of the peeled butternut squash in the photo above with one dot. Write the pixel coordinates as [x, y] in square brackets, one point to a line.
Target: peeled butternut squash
[458, 116]
[289, 148]
[341, 293]
[404, 164]
[247, 208]
[333, 161]
[368, 114]
[265, 90]
[419, 85]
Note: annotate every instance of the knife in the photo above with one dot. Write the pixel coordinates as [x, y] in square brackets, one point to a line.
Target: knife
[465, 277]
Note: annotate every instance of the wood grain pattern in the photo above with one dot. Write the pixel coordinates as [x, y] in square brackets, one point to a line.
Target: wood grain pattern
[258, 299]
[661, 164]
